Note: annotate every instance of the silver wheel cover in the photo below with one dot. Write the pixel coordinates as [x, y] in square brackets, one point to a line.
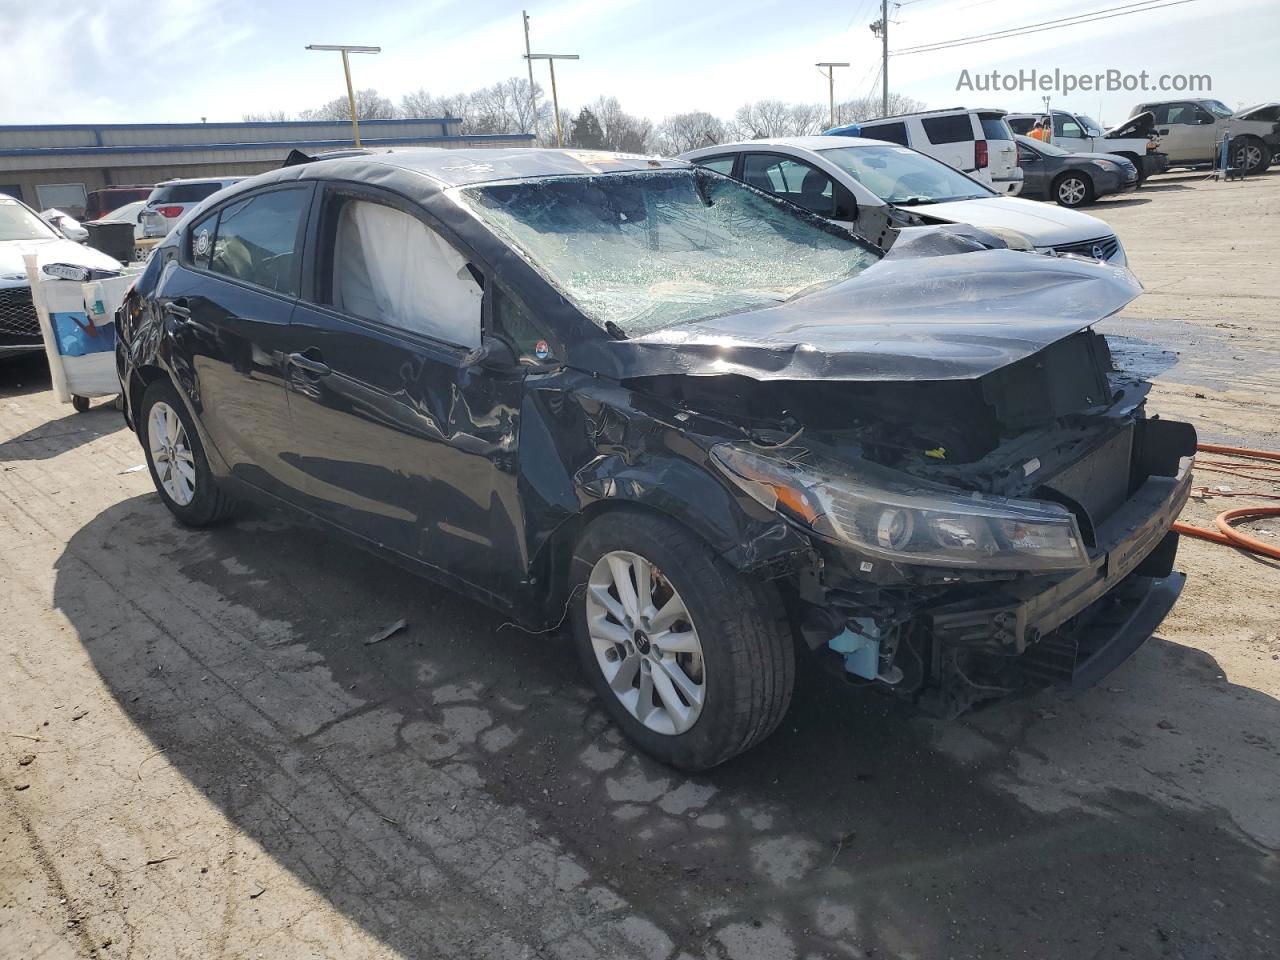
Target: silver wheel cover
[171, 454]
[1071, 191]
[645, 642]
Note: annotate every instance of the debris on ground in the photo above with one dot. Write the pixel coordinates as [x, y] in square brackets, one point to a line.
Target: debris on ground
[388, 632]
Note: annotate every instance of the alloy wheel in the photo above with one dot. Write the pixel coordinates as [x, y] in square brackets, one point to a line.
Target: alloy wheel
[1248, 156]
[1071, 192]
[171, 454]
[645, 642]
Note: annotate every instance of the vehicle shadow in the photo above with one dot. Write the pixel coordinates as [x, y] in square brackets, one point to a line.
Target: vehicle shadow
[23, 374]
[56, 437]
[455, 783]
[1102, 205]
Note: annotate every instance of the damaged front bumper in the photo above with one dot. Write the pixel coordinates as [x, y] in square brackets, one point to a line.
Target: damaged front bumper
[953, 646]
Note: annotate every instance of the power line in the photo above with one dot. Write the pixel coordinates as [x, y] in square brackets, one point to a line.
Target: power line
[1107, 13]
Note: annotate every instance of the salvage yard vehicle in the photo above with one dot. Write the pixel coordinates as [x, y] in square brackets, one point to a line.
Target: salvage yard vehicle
[22, 231]
[843, 177]
[1190, 131]
[167, 203]
[1072, 179]
[1135, 139]
[706, 427]
[977, 142]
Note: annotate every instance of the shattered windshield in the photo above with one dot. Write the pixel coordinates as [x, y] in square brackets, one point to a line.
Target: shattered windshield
[647, 250]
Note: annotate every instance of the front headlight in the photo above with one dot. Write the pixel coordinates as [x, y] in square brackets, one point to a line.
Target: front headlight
[900, 518]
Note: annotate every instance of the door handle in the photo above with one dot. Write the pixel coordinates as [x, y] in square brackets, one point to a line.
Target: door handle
[303, 362]
[178, 308]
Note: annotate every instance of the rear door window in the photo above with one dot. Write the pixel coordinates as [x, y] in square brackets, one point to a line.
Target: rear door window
[892, 132]
[185, 192]
[257, 239]
[955, 128]
[1067, 127]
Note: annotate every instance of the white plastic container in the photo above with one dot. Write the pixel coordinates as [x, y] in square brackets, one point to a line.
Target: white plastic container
[77, 320]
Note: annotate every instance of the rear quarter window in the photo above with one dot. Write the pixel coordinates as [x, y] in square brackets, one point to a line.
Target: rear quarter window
[184, 192]
[955, 128]
[893, 132]
[995, 127]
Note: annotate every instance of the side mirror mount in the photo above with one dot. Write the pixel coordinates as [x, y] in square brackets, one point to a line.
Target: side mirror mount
[494, 353]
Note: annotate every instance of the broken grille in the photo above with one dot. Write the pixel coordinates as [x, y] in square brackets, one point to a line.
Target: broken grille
[18, 313]
[1102, 249]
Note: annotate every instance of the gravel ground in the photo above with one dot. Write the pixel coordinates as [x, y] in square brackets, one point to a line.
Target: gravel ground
[200, 756]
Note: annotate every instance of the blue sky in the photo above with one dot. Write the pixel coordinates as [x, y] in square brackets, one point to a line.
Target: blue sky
[178, 60]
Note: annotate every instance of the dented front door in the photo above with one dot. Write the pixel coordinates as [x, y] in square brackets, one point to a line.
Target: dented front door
[407, 445]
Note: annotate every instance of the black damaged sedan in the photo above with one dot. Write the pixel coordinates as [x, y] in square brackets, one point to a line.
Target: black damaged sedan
[709, 429]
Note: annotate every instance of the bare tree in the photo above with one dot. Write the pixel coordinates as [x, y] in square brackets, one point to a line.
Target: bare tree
[420, 104]
[869, 108]
[773, 118]
[622, 131]
[369, 106]
[267, 116]
[687, 131]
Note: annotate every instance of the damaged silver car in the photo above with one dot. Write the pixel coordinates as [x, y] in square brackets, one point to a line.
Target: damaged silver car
[709, 430]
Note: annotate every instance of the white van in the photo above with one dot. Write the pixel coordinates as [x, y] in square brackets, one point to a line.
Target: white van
[976, 142]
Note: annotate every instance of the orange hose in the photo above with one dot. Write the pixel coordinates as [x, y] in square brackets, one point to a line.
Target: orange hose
[1226, 534]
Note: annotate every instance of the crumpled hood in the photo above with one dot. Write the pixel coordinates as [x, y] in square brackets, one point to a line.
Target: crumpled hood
[941, 318]
[1045, 225]
[13, 272]
[1139, 125]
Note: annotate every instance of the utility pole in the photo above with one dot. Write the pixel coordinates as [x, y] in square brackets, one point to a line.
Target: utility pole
[831, 85]
[344, 49]
[533, 92]
[551, 59]
[881, 29]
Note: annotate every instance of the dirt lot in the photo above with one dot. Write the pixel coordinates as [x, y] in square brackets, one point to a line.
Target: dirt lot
[200, 756]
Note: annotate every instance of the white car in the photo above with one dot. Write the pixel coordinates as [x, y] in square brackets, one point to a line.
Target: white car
[129, 213]
[860, 183]
[65, 224]
[977, 142]
[171, 199]
[22, 231]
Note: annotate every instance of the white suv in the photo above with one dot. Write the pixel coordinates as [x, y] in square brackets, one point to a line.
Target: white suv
[171, 199]
[976, 142]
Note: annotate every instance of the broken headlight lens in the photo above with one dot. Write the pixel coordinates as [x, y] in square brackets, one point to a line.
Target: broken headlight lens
[903, 519]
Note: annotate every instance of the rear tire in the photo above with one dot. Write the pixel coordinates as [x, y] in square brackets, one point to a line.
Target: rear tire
[79, 404]
[177, 461]
[730, 645]
[1073, 190]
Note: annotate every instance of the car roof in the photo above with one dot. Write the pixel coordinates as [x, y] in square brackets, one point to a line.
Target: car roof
[212, 179]
[456, 168]
[928, 113]
[815, 143]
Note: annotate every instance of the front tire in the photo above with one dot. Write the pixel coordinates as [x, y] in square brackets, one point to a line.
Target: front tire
[1073, 190]
[177, 461]
[1251, 155]
[693, 660]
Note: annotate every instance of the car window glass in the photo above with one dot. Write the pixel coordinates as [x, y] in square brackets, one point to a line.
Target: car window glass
[893, 132]
[390, 267]
[793, 180]
[1026, 155]
[201, 237]
[994, 127]
[257, 238]
[1065, 127]
[901, 175]
[718, 164]
[529, 338]
[1181, 113]
[955, 128]
[185, 192]
[1160, 112]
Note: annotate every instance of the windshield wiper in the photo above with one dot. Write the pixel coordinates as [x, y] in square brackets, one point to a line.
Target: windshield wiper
[912, 201]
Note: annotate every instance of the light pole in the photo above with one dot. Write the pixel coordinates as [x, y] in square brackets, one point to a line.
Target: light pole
[344, 49]
[533, 95]
[831, 85]
[551, 59]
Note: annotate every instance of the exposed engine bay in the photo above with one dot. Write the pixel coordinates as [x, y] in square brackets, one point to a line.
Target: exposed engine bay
[1059, 428]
